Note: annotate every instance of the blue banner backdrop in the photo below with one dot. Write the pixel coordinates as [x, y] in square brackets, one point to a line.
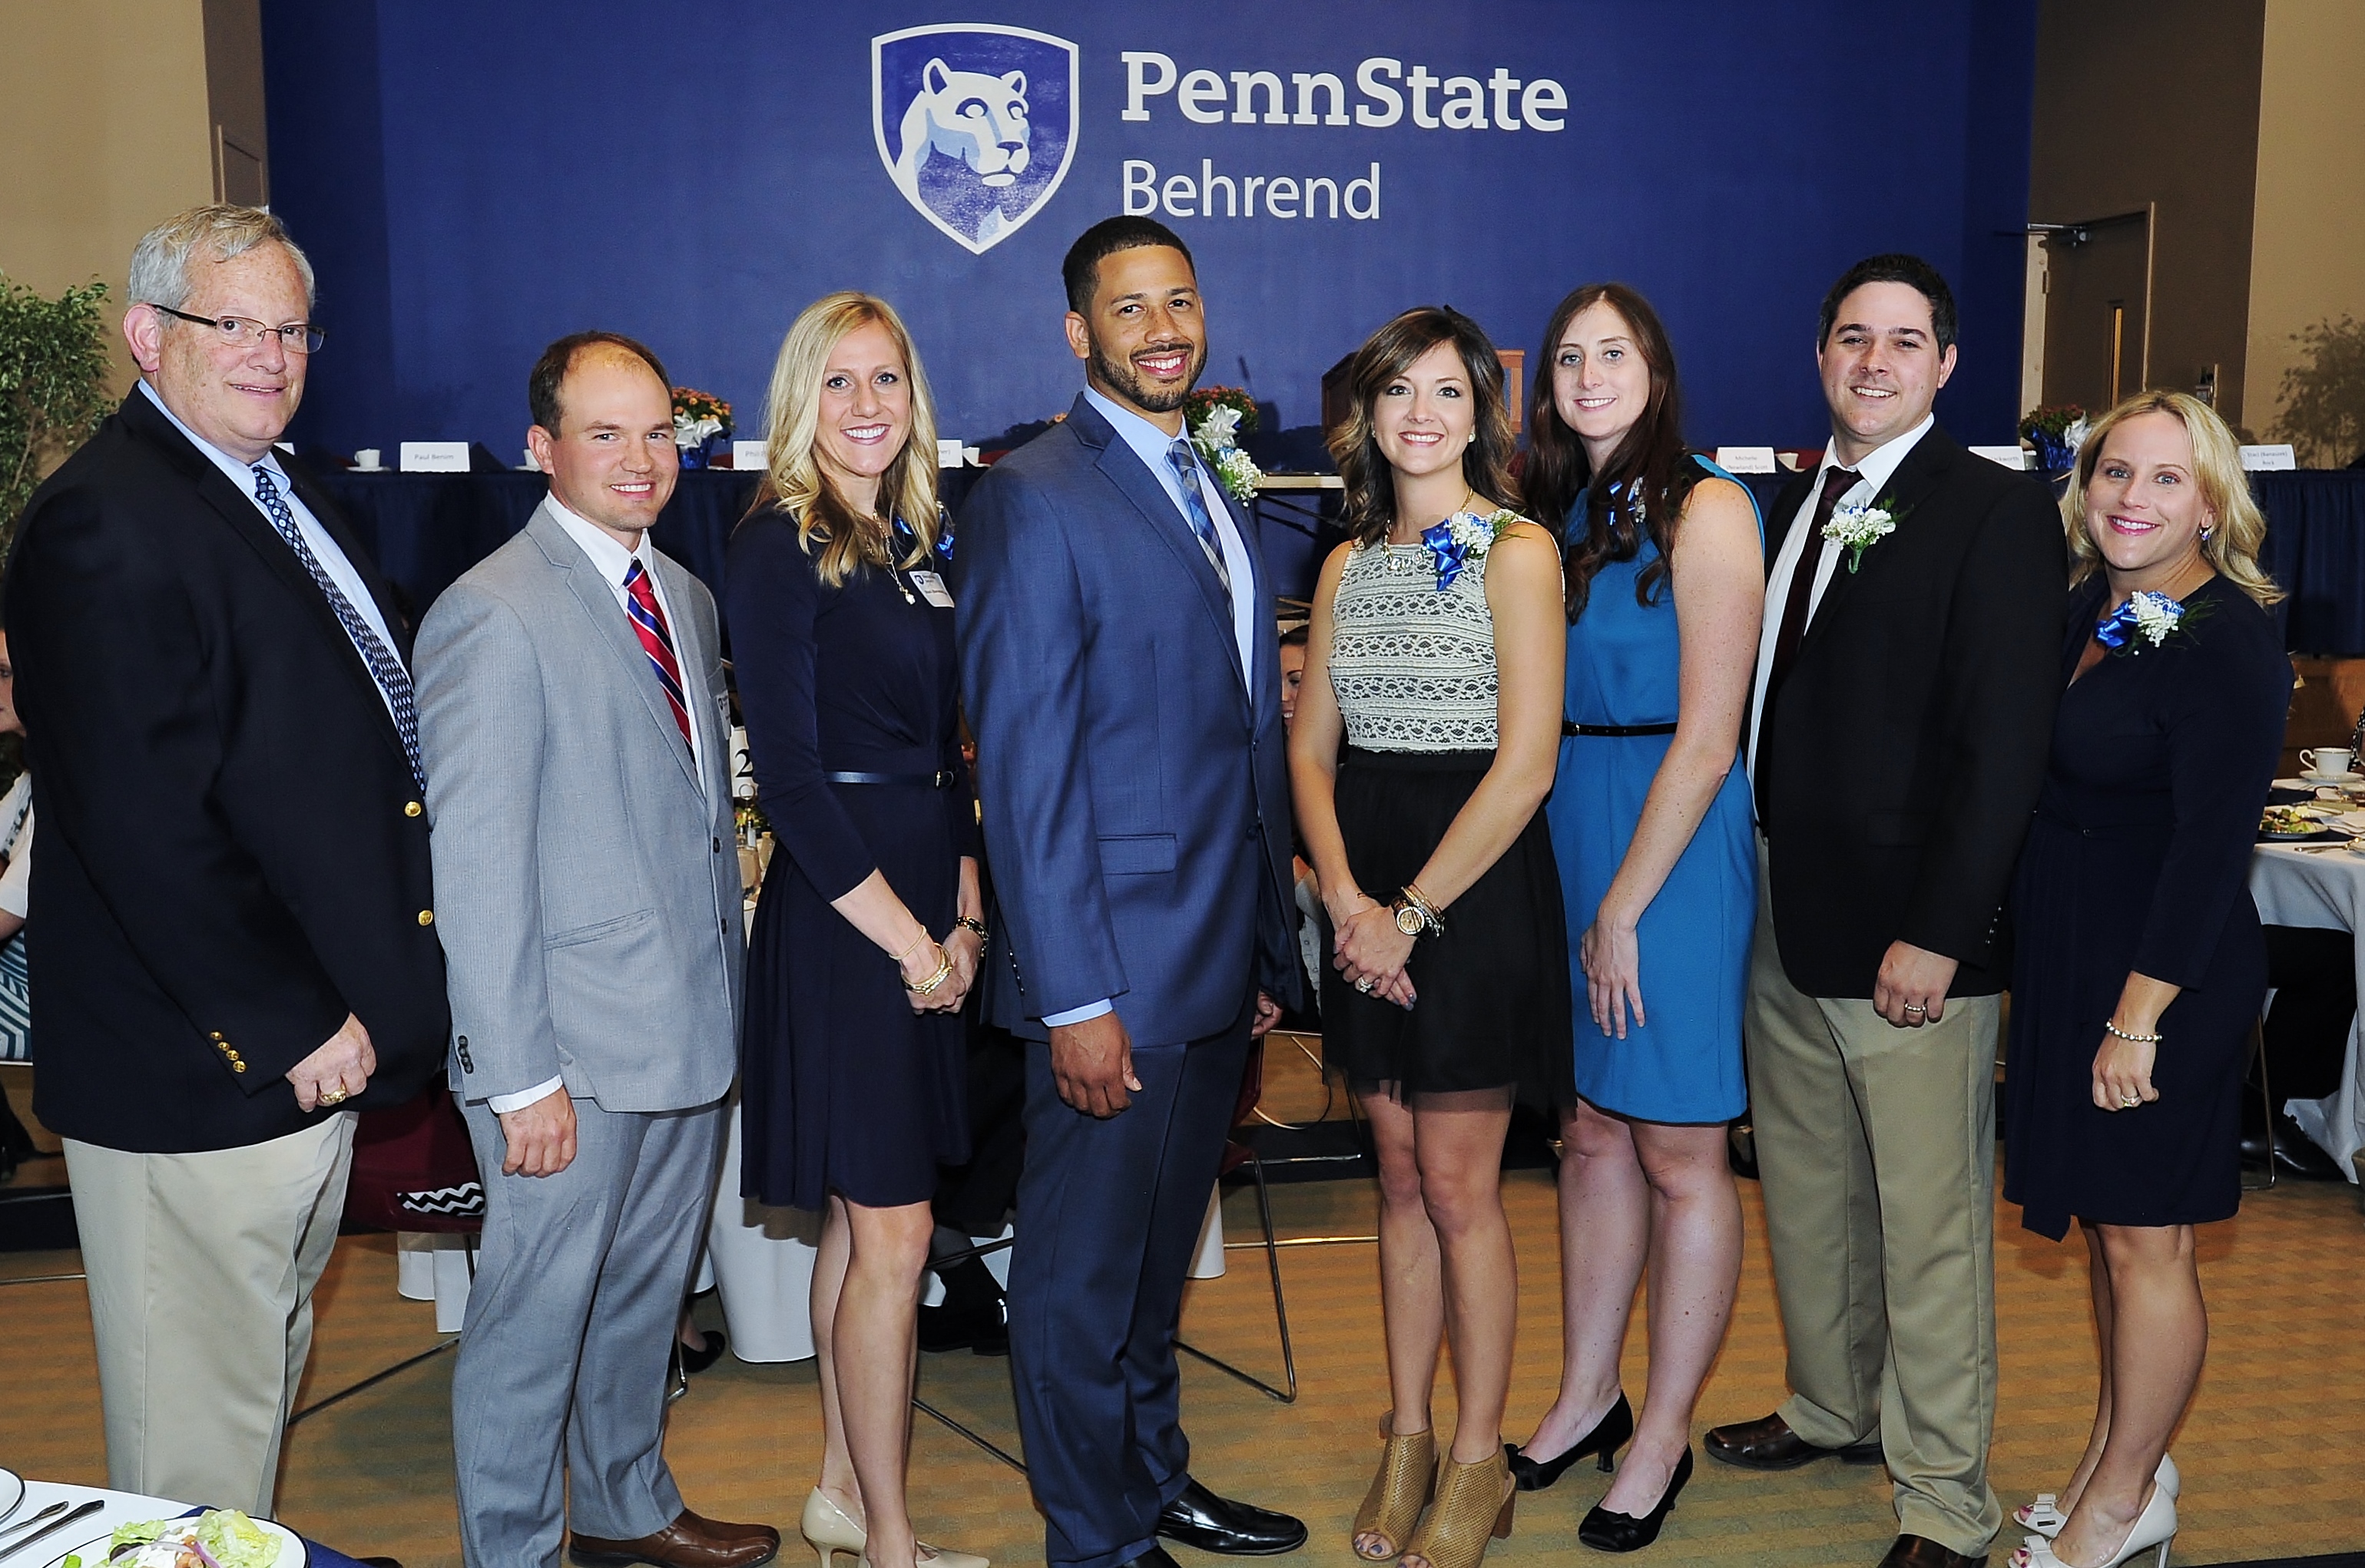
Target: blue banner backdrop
[476, 177]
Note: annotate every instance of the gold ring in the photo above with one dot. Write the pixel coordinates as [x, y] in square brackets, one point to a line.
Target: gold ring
[333, 1097]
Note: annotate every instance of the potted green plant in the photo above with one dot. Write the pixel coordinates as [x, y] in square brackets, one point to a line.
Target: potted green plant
[53, 389]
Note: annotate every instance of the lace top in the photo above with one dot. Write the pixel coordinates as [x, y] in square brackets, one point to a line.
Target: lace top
[1413, 665]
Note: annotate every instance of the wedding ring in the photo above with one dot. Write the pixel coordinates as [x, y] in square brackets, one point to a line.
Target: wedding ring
[1364, 985]
[333, 1097]
[2129, 1102]
[1917, 1007]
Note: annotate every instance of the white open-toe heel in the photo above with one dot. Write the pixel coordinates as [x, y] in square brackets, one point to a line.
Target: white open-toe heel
[2154, 1530]
[2045, 1517]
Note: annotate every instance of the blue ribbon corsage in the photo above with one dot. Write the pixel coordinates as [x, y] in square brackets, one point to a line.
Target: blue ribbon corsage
[2146, 617]
[1446, 553]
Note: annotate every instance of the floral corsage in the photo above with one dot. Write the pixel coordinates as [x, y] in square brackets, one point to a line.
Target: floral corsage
[2148, 617]
[1856, 528]
[1216, 438]
[1461, 539]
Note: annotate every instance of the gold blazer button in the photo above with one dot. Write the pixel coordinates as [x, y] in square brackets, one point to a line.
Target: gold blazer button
[426, 917]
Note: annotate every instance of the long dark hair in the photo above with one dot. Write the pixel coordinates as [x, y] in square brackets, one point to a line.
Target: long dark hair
[1650, 464]
[1370, 498]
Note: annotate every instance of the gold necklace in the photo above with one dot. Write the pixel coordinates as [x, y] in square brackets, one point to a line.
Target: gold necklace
[1396, 562]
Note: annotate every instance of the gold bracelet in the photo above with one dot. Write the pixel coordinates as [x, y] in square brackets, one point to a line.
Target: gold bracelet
[934, 981]
[1421, 902]
[914, 947]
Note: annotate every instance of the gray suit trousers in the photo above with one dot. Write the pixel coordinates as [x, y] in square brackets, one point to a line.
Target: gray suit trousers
[617, 1228]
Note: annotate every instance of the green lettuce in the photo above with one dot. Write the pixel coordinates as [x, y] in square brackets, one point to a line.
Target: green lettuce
[229, 1537]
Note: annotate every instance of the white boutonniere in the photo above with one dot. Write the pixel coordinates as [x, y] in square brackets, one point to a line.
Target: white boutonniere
[1217, 439]
[1856, 528]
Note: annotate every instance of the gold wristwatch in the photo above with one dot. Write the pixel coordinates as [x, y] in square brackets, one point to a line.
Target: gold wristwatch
[1415, 915]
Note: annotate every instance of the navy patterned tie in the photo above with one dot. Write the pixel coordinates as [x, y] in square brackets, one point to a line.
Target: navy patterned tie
[392, 679]
[1195, 507]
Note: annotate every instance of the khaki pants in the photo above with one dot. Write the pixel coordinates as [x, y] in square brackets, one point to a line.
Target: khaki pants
[1875, 1146]
[201, 1274]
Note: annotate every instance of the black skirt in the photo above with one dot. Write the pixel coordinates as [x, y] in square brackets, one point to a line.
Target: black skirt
[1492, 1006]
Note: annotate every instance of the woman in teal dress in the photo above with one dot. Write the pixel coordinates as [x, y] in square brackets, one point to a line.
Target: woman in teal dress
[1651, 825]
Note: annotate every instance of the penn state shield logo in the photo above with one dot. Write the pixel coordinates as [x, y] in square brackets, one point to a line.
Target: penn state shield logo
[975, 122]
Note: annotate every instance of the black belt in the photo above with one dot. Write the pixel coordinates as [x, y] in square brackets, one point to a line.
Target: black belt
[1571, 727]
[940, 779]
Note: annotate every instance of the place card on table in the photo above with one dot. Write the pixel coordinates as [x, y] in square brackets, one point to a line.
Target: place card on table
[747, 456]
[948, 453]
[2264, 459]
[1747, 459]
[435, 457]
[2012, 456]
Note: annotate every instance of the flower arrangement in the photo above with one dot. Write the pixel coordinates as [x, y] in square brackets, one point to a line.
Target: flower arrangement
[1217, 418]
[698, 417]
[2056, 433]
[1856, 528]
[2146, 617]
[1461, 539]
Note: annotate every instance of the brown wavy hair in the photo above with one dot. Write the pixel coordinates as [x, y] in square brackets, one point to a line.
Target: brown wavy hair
[1371, 498]
[1650, 463]
[2231, 547]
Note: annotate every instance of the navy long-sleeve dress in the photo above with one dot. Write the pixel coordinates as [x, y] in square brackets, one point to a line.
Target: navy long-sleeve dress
[2138, 860]
[844, 1088]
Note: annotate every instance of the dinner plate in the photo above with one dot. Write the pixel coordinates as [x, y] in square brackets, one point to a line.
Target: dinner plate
[2291, 837]
[93, 1552]
[12, 1493]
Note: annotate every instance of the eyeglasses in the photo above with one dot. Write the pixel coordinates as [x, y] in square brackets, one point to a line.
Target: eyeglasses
[239, 332]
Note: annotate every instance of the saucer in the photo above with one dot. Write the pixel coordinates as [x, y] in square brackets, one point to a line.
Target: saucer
[2333, 777]
[373, 469]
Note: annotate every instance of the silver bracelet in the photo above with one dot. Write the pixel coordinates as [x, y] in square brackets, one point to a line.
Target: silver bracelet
[2131, 1039]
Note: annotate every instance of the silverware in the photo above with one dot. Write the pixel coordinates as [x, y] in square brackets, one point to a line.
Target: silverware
[29, 1520]
[21, 1543]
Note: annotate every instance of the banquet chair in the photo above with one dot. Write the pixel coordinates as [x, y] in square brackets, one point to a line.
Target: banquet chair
[1238, 1156]
[2256, 1062]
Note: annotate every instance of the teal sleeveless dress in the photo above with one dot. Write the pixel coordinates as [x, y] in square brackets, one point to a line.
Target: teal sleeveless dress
[1684, 1064]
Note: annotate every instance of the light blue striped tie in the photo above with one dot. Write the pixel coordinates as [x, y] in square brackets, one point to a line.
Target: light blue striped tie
[1195, 507]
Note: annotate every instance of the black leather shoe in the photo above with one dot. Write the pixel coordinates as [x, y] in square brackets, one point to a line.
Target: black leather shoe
[1605, 1531]
[710, 1351]
[1609, 1435]
[1155, 1557]
[1921, 1552]
[1198, 1518]
[1770, 1444]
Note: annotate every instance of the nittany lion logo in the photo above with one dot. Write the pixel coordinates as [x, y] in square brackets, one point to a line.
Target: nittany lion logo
[976, 124]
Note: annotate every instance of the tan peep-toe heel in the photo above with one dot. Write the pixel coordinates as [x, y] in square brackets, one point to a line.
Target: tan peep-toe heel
[1470, 1499]
[1392, 1507]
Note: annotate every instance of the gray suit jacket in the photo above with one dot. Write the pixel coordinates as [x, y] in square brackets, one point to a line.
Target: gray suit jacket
[587, 874]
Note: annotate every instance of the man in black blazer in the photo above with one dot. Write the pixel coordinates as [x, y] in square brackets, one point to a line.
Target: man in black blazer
[1904, 711]
[237, 949]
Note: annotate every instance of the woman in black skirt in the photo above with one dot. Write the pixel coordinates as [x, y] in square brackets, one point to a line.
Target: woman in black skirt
[869, 929]
[2138, 962]
[1436, 656]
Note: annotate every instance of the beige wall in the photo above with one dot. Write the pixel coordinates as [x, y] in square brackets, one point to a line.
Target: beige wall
[2155, 103]
[104, 128]
[2307, 259]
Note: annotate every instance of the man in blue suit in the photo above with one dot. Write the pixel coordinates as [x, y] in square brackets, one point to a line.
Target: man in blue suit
[1121, 674]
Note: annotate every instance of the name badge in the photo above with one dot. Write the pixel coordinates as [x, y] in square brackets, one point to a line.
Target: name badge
[932, 588]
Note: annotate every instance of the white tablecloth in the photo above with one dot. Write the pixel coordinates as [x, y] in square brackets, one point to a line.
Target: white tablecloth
[121, 1508]
[2325, 888]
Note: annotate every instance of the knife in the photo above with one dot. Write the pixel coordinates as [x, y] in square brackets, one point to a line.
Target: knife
[21, 1543]
[31, 1519]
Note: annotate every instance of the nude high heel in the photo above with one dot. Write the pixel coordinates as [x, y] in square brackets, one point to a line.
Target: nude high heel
[2153, 1531]
[1399, 1493]
[829, 1531]
[2045, 1517]
[1472, 1502]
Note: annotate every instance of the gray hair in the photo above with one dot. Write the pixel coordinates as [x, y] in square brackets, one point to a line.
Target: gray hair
[160, 262]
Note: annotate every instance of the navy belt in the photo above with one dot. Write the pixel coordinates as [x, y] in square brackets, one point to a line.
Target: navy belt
[1571, 727]
[940, 779]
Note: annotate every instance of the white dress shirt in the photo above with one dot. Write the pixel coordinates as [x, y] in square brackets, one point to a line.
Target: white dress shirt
[16, 880]
[1880, 465]
[612, 561]
[1151, 444]
[323, 545]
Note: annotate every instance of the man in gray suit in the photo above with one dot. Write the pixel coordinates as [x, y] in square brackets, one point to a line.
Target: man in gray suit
[571, 710]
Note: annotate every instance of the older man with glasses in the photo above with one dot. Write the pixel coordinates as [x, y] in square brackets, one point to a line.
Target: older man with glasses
[237, 946]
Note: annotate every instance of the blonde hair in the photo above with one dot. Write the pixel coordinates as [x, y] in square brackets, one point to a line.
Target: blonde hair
[2231, 544]
[793, 478]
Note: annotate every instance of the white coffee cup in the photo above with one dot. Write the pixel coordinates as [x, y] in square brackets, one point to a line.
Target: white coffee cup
[367, 457]
[2327, 762]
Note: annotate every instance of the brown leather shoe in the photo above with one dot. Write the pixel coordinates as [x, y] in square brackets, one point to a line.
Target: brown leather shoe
[689, 1542]
[1921, 1552]
[1770, 1444]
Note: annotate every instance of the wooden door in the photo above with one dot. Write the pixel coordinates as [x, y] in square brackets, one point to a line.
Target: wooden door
[2097, 299]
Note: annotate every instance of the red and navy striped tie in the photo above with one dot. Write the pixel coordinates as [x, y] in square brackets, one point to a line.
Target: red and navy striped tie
[657, 641]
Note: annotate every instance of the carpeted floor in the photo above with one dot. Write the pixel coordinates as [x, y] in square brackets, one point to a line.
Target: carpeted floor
[2274, 1452]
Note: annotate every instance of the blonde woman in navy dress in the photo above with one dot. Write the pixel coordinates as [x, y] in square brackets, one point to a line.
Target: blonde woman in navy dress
[1435, 657]
[853, 1065]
